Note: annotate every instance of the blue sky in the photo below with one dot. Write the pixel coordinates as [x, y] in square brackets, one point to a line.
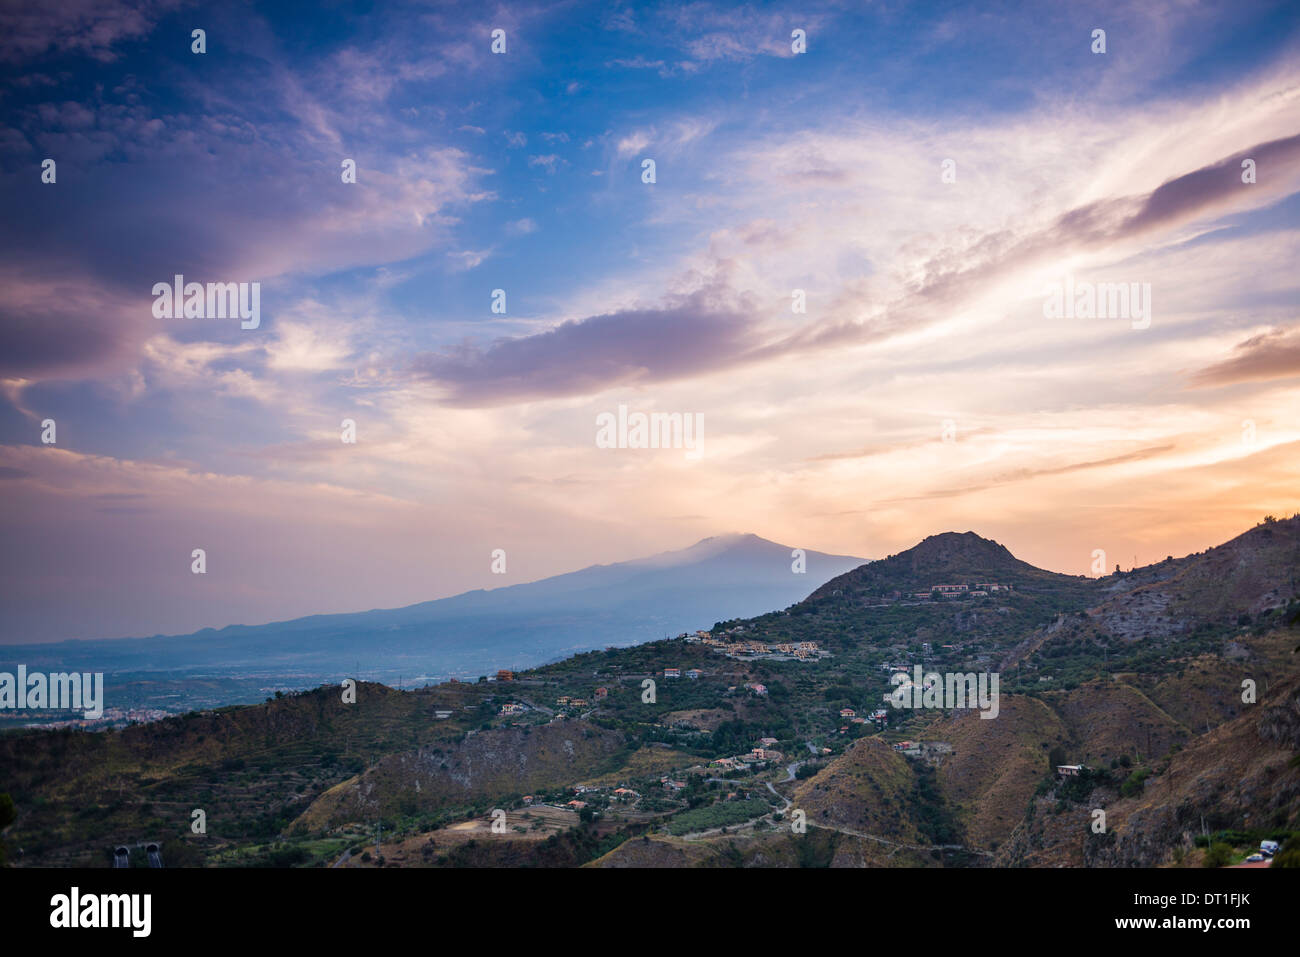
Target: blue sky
[522, 171]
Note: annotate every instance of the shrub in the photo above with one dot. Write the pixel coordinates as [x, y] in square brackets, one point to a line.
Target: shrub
[1218, 855]
[1134, 783]
[1289, 855]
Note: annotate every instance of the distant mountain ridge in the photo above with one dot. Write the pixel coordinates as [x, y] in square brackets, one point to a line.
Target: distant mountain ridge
[479, 631]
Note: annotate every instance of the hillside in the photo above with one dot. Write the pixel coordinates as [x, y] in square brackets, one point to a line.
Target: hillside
[697, 751]
[1242, 778]
[869, 789]
[484, 765]
[251, 769]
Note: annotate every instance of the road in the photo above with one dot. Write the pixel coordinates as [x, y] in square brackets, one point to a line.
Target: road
[790, 769]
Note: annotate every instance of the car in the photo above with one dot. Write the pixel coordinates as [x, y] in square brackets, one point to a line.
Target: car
[1254, 858]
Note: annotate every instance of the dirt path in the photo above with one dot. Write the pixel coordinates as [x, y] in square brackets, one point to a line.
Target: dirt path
[897, 846]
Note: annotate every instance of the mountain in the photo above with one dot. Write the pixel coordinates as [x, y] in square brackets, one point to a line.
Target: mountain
[952, 558]
[1141, 678]
[480, 631]
[890, 602]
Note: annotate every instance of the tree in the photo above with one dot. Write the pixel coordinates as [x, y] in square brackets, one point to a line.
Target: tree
[1288, 856]
[1055, 758]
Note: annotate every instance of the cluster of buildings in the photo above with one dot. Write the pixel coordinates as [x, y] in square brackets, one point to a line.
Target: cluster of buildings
[692, 673]
[111, 717]
[756, 758]
[750, 648]
[880, 714]
[572, 701]
[568, 701]
[980, 590]
[583, 790]
[932, 751]
[801, 650]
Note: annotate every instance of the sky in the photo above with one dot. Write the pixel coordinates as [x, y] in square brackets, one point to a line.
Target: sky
[920, 177]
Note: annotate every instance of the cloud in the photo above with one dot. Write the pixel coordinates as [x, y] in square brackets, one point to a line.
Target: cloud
[633, 143]
[83, 27]
[1270, 355]
[952, 276]
[639, 62]
[707, 33]
[593, 354]
[54, 325]
[692, 336]
[308, 346]
[1028, 473]
[267, 197]
[1219, 186]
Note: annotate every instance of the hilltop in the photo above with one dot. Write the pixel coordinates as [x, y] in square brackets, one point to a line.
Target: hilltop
[948, 558]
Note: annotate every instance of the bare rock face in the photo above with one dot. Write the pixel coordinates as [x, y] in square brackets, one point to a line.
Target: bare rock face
[1280, 724]
[485, 764]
